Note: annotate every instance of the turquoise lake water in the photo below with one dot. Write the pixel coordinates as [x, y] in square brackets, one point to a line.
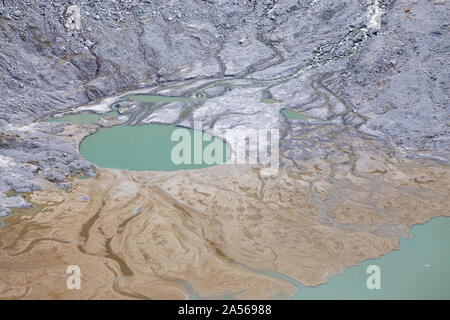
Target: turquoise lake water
[419, 270]
[150, 147]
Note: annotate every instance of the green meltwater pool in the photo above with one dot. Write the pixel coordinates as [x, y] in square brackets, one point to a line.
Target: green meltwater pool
[154, 147]
[293, 115]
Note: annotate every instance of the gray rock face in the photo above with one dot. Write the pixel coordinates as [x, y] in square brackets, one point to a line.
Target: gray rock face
[34, 151]
[400, 81]
[377, 66]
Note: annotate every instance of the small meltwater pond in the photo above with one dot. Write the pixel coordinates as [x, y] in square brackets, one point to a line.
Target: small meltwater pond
[154, 147]
[293, 115]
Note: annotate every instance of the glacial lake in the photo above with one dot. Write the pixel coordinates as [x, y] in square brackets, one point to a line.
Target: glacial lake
[419, 270]
[150, 147]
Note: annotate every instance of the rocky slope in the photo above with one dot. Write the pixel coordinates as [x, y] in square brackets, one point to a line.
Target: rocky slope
[390, 57]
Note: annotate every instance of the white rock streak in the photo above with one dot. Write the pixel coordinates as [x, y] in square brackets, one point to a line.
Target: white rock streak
[374, 13]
